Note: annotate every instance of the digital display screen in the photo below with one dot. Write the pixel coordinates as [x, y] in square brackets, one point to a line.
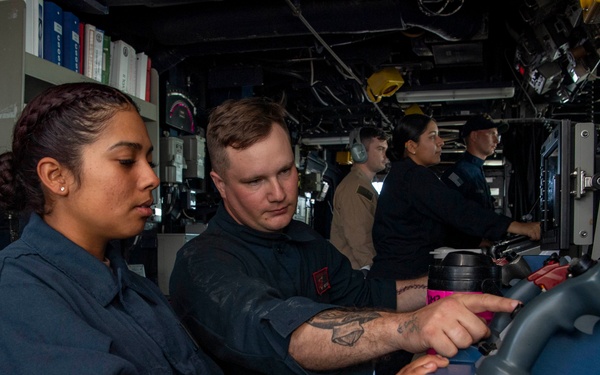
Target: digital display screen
[550, 190]
[554, 189]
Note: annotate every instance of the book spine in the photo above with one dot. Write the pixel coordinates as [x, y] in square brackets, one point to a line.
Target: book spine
[71, 41]
[53, 38]
[112, 79]
[106, 59]
[30, 31]
[98, 46]
[38, 28]
[81, 46]
[140, 81]
[120, 65]
[88, 50]
[148, 94]
[131, 74]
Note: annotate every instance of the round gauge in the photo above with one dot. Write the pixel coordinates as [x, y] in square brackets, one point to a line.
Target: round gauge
[181, 112]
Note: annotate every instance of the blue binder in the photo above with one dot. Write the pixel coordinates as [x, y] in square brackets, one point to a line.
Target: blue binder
[71, 41]
[53, 33]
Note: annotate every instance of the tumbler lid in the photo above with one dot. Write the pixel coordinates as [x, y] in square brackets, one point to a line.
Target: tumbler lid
[468, 259]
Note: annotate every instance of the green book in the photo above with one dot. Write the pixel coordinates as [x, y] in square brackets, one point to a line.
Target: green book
[106, 60]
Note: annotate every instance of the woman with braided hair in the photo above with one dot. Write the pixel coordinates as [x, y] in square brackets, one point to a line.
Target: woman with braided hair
[81, 164]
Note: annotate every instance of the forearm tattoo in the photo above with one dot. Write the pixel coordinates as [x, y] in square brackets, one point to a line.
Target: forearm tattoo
[346, 325]
[410, 287]
[409, 326]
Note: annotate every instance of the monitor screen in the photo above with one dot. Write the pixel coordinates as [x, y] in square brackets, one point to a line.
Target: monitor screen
[554, 189]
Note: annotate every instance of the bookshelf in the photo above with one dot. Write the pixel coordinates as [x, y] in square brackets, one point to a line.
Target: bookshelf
[22, 76]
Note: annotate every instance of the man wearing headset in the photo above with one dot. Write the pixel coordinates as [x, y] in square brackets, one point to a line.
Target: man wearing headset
[355, 198]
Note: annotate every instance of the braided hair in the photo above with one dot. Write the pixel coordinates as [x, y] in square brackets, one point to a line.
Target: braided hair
[409, 128]
[57, 123]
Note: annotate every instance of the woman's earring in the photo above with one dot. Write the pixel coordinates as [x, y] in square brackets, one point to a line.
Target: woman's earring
[62, 188]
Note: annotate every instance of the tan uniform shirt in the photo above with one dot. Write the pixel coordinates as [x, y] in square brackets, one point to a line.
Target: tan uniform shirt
[354, 204]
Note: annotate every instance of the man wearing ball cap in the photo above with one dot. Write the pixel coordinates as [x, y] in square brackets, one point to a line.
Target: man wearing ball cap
[481, 135]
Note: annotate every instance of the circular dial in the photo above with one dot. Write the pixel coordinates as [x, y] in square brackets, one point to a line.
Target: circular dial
[180, 112]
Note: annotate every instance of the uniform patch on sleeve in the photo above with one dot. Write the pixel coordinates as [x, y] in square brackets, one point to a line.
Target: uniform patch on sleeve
[365, 192]
[454, 178]
[321, 279]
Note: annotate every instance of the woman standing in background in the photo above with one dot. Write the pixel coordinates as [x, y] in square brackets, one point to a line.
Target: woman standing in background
[415, 207]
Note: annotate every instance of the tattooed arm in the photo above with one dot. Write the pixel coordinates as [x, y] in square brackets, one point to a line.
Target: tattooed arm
[339, 338]
[411, 294]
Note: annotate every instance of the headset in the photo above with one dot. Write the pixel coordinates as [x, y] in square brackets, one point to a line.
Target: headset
[357, 149]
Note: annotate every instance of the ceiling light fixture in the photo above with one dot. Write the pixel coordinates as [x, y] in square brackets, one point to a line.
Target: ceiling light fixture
[325, 141]
[449, 95]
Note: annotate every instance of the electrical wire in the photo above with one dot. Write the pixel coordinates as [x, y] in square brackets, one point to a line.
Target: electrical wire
[335, 97]
[316, 94]
[312, 68]
[298, 14]
[347, 76]
[439, 13]
[186, 215]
